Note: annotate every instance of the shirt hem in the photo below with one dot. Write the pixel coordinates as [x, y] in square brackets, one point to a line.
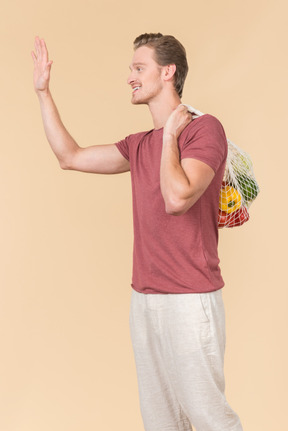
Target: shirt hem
[149, 290]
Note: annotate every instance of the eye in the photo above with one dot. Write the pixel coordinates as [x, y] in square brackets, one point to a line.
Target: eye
[139, 69]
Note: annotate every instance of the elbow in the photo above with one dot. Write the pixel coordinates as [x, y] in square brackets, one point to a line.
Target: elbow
[176, 207]
[174, 212]
[64, 165]
[68, 161]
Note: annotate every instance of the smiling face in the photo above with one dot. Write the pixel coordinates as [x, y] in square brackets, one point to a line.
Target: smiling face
[145, 78]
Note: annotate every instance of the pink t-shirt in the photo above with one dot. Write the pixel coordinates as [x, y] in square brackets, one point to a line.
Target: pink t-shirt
[175, 254]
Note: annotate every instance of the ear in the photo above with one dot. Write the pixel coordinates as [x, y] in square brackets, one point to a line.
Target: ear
[168, 71]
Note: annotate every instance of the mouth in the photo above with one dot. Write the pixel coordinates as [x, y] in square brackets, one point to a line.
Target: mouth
[134, 89]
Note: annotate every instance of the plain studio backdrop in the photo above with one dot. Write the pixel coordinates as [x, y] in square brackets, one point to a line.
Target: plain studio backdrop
[66, 362]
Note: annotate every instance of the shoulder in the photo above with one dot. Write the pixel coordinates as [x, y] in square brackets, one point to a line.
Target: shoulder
[204, 139]
[130, 143]
[206, 122]
[137, 137]
[204, 130]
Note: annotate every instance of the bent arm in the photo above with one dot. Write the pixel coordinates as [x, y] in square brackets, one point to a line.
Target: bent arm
[182, 183]
[99, 159]
[104, 159]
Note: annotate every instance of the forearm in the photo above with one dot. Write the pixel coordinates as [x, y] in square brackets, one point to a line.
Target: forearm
[175, 185]
[61, 142]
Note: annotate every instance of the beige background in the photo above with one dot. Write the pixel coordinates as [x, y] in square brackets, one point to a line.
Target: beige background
[66, 362]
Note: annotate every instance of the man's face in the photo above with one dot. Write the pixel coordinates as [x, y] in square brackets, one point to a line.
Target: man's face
[145, 77]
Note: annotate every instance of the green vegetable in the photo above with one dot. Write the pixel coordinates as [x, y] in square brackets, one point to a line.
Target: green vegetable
[248, 187]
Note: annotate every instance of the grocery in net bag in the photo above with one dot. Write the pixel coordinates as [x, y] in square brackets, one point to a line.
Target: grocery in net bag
[239, 186]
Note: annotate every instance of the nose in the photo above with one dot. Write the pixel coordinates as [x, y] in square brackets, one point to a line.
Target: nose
[130, 78]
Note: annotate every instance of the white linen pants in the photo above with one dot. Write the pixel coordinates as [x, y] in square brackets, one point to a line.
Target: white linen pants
[179, 342]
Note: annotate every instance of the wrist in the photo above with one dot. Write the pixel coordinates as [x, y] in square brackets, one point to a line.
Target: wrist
[169, 136]
[42, 94]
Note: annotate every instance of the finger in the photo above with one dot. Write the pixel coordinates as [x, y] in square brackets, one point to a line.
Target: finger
[182, 107]
[189, 115]
[37, 47]
[44, 51]
[34, 57]
[49, 64]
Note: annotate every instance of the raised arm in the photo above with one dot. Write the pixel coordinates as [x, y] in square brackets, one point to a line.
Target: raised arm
[102, 159]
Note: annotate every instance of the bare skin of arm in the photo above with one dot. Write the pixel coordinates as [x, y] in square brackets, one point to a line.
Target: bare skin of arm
[182, 183]
[101, 159]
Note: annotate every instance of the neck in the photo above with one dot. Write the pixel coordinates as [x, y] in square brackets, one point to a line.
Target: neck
[161, 109]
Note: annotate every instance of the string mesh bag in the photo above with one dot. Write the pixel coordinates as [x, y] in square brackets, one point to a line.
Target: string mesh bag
[239, 186]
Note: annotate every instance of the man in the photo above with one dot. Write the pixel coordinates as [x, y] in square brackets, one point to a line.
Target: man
[177, 317]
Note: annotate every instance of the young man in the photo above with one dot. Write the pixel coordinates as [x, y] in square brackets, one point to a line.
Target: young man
[177, 316]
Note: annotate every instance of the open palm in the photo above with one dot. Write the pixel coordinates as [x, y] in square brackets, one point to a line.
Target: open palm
[42, 65]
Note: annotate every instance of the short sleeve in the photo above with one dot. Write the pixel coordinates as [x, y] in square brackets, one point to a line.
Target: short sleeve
[123, 147]
[204, 139]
